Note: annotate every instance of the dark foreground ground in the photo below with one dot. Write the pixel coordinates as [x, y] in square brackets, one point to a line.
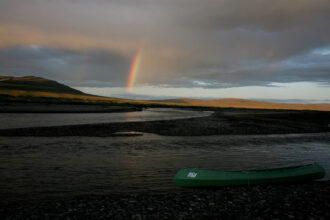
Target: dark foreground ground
[287, 201]
[223, 121]
[290, 201]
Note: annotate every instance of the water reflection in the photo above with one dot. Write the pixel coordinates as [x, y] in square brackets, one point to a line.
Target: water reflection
[23, 120]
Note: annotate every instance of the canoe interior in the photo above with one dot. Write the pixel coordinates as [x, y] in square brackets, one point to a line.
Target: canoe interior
[191, 177]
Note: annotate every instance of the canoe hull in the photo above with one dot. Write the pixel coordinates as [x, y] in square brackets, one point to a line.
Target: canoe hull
[190, 177]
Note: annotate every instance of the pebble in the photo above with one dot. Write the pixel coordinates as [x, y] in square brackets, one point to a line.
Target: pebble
[293, 201]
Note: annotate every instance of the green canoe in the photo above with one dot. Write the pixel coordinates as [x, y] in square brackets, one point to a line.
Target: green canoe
[190, 177]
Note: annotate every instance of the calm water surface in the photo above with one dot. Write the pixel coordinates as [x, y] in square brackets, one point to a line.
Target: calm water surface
[39, 168]
[24, 120]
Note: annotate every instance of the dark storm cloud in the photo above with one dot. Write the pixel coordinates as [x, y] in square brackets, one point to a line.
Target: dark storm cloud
[259, 14]
[186, 43]
[89, 68]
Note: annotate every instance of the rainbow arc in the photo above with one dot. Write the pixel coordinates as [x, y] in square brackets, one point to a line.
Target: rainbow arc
[134, 70]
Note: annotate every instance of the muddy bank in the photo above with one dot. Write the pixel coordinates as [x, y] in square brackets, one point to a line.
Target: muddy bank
[228, 121]
[20, 107]
[285, 201]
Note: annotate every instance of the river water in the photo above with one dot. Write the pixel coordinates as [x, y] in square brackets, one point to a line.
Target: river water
[24, 120]
[41, 168]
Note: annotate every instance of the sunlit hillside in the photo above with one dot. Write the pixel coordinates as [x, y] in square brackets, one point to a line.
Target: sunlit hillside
[244, 103]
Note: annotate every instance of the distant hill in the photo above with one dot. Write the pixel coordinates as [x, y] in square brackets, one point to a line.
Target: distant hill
[32, 83]
[36, 89]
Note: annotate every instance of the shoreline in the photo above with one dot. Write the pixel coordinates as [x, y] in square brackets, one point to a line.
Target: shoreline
[309, 200]
[17, 107]
[221, 122]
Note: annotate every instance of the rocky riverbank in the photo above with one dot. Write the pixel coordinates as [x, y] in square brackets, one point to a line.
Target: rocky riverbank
[284, 201]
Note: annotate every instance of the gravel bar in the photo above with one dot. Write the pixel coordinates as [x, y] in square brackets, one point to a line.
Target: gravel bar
[285, 201]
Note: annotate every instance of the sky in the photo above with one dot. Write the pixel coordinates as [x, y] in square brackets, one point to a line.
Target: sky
[256, 49]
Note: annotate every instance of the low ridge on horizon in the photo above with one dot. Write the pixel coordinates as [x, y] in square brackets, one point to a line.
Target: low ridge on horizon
[228, 100]
[246, 103]
[33, 88]
[34, 83]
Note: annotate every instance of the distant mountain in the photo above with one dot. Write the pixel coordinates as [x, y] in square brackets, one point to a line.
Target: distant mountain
[32, 83]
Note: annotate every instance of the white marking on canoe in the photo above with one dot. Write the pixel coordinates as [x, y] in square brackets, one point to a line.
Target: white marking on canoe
[192, 174]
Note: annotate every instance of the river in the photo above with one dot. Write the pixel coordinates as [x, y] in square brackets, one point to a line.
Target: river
[58, 167]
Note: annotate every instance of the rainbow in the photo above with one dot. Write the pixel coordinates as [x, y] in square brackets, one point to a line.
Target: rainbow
[134, 70]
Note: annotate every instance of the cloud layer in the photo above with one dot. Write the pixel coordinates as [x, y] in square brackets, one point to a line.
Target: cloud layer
[89, 68]
[211, 43]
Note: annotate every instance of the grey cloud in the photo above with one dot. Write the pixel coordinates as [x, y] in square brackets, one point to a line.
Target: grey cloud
[260, 14]
[307, 67]
[211, 43]
[87, 68]
[313, 67]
